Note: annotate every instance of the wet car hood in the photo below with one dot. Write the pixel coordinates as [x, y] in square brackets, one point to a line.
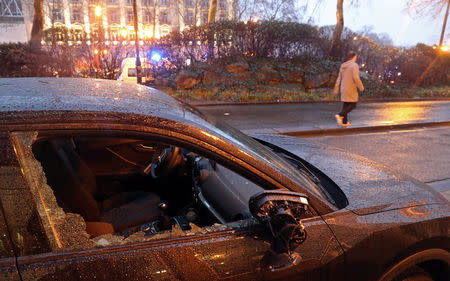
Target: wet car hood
[369, 186]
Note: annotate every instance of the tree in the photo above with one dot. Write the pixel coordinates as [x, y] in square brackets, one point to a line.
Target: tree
[431, 8]
[336, 39]
[212, 11]
[38, 24]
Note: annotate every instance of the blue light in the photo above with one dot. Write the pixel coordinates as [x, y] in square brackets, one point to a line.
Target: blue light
[155, 56]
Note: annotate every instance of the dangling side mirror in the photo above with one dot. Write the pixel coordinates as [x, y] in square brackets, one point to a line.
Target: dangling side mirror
[281, 212]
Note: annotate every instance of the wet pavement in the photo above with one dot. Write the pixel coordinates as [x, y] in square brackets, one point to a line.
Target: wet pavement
[291, 118]
[411, 137]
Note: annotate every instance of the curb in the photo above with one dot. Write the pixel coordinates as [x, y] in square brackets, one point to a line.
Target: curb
[314, 102]
[356, 130]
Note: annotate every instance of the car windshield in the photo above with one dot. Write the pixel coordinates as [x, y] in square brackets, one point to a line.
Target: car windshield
[265, 153]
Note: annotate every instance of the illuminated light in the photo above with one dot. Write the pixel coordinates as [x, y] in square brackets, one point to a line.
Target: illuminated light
[123, 32]
[78, 42]
[155, 56]
[363, 65]
[148, 33]
[88, 42]
[445, 48]
[245, 22]
[98, 11]
[188, 61]
[303, 200]
[124, 42]
[95, 51]
[116, 98]
[42, 42]
[381, 81]
[399, 74]
[70, 43]
[132, 42]
[115, 42]
[355, 38]
[255, 19]
[434, 47]
[107, 43]
[367, 71]
[59, 42]
[105, 52]
[392, 82]
[373, 75]
[141, 43]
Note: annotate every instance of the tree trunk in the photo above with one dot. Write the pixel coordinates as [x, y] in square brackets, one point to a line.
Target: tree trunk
[212, 11]
[444, 25]
[336, 40]
[136, 34]
[38, 24]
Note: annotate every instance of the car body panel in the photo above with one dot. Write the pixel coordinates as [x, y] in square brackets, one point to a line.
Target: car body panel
[370, 187]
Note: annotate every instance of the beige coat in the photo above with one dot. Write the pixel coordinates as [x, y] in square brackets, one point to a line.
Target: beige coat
[348, 82]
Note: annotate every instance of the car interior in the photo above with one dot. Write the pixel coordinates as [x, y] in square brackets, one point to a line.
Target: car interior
[125, 185]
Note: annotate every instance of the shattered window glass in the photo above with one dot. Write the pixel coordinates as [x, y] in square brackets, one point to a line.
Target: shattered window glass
[102, 191]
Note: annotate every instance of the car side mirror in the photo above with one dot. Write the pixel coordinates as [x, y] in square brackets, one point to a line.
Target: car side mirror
[280, 211]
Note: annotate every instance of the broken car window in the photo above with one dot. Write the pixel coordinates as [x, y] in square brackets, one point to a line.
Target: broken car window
[100, 191]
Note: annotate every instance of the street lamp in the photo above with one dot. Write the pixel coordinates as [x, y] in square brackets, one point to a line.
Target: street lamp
[98, 11]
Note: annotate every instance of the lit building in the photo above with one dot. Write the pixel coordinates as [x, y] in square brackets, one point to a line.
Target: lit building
[113, 17]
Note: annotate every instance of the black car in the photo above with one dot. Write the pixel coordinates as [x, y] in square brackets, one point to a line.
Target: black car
[103, 180]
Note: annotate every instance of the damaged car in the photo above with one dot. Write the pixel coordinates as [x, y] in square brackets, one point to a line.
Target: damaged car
[104, 180]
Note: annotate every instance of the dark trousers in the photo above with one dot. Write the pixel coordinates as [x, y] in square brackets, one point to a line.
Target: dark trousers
[346, 108]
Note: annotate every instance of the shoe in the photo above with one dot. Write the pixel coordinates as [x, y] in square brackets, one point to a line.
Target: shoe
[346, 124]
[339, 119]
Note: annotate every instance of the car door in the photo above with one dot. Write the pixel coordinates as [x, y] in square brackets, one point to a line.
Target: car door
[231, 250]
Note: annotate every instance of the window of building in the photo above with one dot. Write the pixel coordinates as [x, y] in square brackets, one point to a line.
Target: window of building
[189, 18]
[223, 16]
[164, 17]
[204, 17]
[129, 16]
[205, 4]
[129, 2]
[147, 3]
[57, 15]
[75, 1]
[222, 4]
[189, 3]
[147, 17]
[76, 15]
[164, 3]
[113, 16]
[77, 35]
[113, 2]
[114, 35]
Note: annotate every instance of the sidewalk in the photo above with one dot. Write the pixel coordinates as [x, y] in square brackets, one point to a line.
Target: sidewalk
[318, 118]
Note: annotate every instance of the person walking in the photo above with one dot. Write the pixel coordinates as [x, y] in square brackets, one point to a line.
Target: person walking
[348, 83]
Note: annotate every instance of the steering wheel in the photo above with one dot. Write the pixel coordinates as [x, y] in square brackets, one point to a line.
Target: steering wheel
[164, 160]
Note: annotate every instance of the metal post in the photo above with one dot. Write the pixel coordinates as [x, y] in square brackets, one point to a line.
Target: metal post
[138, 58]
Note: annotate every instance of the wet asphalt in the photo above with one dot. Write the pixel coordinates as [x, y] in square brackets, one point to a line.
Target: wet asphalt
[291, 118]
[412, 137]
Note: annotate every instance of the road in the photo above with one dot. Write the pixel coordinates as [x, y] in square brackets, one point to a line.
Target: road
[276, 118]
[422, 152]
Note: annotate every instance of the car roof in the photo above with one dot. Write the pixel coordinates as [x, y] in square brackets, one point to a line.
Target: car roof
[20, 95]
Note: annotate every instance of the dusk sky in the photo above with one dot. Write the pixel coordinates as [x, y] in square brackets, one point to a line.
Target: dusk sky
[388, 16]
